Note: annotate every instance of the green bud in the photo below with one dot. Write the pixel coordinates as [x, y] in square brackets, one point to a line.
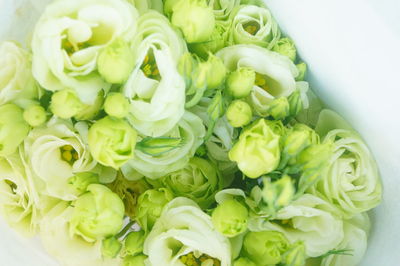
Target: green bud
[216, 108]
[200, 75]
[158, 146]
[112, 141]
[110, 247]
[266, 247]
[240, 82]
[150, 205]
[216, 42]
[186, 66]
[216, 73]
[81, 181]
[299, 138]
[279, 108]
[239, 113]
[35, 115]
[302, 68]
[296, 255]
[13, 128]
[65, 104]
[116, 62]
[116, 105]
[230, 218]
[295, 103]
[243, 261]
[286, 47]
[134, 260]
[88, 112]
[134, 243]
[190, 16]
[97, 214]
[277, 127]
[278, 194]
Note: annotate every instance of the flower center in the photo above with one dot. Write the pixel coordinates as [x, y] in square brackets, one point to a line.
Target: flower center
[252, 27]
[191, 260]
[261, 82]
[69, 154]
[149, 67]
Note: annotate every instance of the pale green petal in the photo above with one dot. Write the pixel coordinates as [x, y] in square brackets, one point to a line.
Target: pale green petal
[223, 8]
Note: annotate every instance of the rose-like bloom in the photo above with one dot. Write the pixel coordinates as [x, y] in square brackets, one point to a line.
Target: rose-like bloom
[223, 8]
[56, 153]
[155, 88]
[239, 113]
[13, 128]
[70, 250]
[184, 233]
[275, 73]
[286, 47]
[150, 205]
[257, 152]
[308, 219]
[97, 214]
[190, 130]
[352, 181]
[199, 180]
[254, 25]
[230, 218]
[67, 40]
[355, 242]
[18, 195]
[16, 79]
[265, 247]
[112, 141]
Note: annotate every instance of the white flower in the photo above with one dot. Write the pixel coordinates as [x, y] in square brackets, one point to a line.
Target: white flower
[70, 250]
[155, 88]
[68, 38]
[275, 73]
[55, 153]
[182, 231]
[16, 80]
[190, 130]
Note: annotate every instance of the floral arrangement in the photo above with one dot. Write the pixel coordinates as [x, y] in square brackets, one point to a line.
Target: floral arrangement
[176, 132]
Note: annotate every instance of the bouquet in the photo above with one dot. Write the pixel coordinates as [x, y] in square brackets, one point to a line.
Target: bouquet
[176, 132]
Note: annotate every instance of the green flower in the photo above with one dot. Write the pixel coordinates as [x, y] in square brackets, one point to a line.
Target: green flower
[35, 115]
[66, 104]
[116, 62]
[298, 138]
[189, 16]
[266, 247]
[112, 141]
[254, 25]
[278, 194]
[286, 47]
[97, 214]
[81, 181]
[90, 111]
[257, 151]
[243, 261]
[13, 128]
[230, 218]
[217, 72]
[66, 56]
[199, 180]
[184, 234]
[116, 105]
[138, 260]
[296, 255]
[134, 243]
[279, 108]
[110, 247]
[223, 9]
[239, 113]
[302, 68]
[150, 205]
[240, 82]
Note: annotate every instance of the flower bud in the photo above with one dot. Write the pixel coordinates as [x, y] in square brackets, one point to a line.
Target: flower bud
[295, 103]
[216, 108]
[266, 247]
[110, 247]
[35, 115]
[116, 105]
[302, 68]
[186, 66]
[240, 82]
[13, 129]
[239, 113]
[134, 243]
[286, 47]
[278, 194]
[190, 17]
[216, 42]
[216, 73]
[81, 181]
[65, 104]
[97, 214]
[296, 255]
[279, 108]
[299, 138]
[150, 205]
[243, 261]
[88, 112]
[116, 62]
[230, 218]
[134, 260]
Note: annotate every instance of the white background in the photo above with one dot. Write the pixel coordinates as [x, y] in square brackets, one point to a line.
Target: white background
[353, 50]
